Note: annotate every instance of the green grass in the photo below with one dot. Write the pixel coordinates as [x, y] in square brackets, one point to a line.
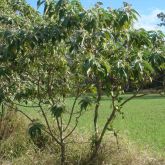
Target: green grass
[143, 123]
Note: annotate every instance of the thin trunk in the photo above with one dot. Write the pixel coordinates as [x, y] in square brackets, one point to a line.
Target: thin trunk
[99, 140]
[96, 114]
[62, 144]
[62, 152]
[109, 121]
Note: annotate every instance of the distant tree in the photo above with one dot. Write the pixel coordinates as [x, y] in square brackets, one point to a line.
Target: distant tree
[161, 16]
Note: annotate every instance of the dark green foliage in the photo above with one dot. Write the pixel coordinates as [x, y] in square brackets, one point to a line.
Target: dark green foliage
[161, 16]
[85, 102]
[35, 131]
[57, 110]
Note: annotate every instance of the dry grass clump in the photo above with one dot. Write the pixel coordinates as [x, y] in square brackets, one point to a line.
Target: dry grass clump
[78, 152]
[127, 153]
[17, 149]
[13, 141]
[8, 123]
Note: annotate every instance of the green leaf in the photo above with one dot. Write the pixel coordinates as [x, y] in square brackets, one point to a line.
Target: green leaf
[119, 99]
[57, 110]
[35, 129]
[84, 103]
[40, 2]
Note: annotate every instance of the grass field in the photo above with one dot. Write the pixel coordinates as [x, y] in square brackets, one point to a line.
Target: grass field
[143, 123]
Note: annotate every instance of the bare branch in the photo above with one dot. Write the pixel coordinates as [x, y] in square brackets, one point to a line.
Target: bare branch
[17, 110]
[72, 110]
[43, 113]
[77, 120]
[26, 106]
[132, 97]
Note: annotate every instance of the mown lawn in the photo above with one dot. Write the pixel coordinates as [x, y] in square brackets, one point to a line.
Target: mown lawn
[143, 123]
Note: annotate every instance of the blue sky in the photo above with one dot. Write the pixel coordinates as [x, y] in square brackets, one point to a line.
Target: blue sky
[148, 9]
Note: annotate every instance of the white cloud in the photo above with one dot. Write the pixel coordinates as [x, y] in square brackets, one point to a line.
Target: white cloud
[150, 21]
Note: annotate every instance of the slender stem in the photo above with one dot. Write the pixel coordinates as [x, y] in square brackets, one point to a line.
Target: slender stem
[62, 152]
[26, 106]
[2, 110]
[97, 108]
[111, 117]
[113, 114]
[72, 110]
[58, 125]
[130, 98]
[47, 123]
[77, 120]
[43, 113]
[17, 110]
[1, 120]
